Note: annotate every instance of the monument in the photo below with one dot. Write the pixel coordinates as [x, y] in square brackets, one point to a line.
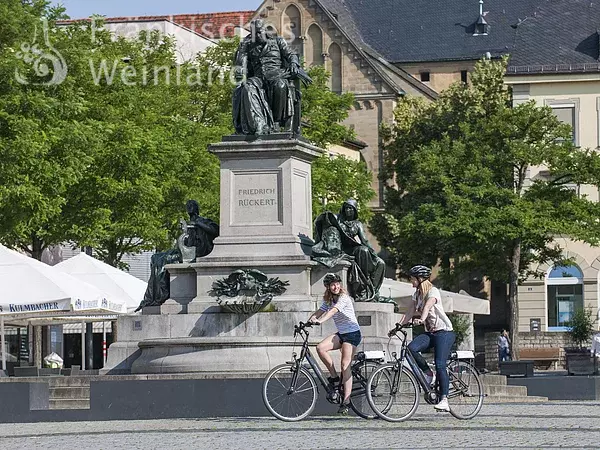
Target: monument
[234, 309]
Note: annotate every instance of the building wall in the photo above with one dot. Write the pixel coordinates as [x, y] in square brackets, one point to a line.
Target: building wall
[340, 150]
[441, 74]
[583, 91]
[532, 293]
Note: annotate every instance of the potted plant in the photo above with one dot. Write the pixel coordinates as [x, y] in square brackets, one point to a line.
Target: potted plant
[578, 358]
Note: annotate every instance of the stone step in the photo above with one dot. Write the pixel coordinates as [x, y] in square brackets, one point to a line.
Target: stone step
[489, 378]
[69, 381]
[503, 390]
[515, 399]
[77, 392]
[70, 404]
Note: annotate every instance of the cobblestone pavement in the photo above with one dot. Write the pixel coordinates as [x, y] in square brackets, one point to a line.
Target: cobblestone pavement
[547, 425]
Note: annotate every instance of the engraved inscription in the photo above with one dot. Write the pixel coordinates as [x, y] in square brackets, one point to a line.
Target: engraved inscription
[255, 198]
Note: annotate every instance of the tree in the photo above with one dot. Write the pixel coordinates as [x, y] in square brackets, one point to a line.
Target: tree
[463, 196]
[334, 180]
[156, 128]
[46, 141]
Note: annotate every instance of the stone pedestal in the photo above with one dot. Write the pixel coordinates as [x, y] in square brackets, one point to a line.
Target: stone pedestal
[266, 200]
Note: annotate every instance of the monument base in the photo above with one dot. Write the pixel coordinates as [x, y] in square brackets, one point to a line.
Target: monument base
[232, 343]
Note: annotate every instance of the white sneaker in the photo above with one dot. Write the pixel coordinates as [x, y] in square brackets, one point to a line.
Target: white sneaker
[442, 405]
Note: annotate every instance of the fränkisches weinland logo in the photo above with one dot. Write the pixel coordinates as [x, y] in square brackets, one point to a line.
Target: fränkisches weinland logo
[49, 66]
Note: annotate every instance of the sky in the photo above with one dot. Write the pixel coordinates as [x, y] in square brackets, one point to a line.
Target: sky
[114, 8]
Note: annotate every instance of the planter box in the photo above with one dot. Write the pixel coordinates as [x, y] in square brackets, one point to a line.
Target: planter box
[522, 368]
[579, 363]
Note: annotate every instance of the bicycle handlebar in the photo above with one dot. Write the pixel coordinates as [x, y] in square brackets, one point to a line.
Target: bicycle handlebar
[302, 327]
[399, 327]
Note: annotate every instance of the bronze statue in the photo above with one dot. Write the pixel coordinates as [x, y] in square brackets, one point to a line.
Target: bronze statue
[343, 237]
[267, 99]
[201, 232]
[195, 241]
[247, 291]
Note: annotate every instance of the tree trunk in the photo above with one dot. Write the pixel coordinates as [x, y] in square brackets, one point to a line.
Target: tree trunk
[37, 247]
[513, 300]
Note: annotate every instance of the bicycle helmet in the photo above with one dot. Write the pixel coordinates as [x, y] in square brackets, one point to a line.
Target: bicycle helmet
[331, 278]
[420, 271]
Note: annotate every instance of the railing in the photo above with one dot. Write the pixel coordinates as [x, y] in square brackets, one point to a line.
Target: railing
[555, 68]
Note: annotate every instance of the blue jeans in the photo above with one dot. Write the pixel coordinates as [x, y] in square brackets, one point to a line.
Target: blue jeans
[503, 354]
[441, 341]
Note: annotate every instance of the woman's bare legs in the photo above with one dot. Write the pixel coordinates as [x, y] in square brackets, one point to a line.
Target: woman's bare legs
[347, 355]
[325, 346]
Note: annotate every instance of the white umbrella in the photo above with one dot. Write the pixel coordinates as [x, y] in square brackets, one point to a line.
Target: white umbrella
[31, 288]
[105, 277]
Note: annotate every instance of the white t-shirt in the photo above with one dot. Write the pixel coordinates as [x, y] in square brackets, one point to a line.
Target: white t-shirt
[345, 318]
[436, 319]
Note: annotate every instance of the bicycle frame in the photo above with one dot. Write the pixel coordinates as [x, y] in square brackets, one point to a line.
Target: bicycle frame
[406, 355]
[305, 354]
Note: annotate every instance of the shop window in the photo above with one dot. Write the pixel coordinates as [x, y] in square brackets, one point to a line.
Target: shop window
[564, 286]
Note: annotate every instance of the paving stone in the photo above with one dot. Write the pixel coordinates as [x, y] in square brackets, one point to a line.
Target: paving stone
[571, 425]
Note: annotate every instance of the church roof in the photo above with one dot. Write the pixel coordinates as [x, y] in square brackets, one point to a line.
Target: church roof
[425, 30]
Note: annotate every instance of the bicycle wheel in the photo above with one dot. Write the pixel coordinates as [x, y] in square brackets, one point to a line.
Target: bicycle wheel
[393, 393]
[465, 397]
[288, 400]
[358, 399]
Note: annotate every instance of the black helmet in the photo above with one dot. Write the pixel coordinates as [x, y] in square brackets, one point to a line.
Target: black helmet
[419, 271]
[331, 278]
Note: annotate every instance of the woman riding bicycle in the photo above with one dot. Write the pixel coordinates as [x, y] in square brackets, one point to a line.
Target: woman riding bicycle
[427, 305]
[338, 304]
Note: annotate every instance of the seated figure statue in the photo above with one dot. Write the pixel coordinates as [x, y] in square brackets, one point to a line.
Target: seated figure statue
[195, 241]
[267, 98]
[366, 274]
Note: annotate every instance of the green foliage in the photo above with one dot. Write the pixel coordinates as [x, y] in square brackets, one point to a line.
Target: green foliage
[46, 140]
[461, 326]
[581, 327]
[323, 111]
[335, 180]
[462, 195]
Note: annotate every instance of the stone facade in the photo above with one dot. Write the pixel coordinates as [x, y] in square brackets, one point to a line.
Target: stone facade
[441, 74]
[527, 340]
[533, 303]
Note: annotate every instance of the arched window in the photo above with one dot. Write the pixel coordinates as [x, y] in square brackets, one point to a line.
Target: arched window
[564, 286]
[335, 56]
[314, 51]
[291, 29]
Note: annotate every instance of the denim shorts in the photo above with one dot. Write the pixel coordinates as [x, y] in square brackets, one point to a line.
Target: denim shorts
[353, 338]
